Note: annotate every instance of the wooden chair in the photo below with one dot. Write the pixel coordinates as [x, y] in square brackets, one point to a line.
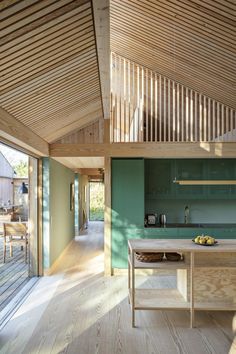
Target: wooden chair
[14, 232]
[4, 218]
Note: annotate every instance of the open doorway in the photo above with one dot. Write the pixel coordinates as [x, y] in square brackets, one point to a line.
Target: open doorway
[18, 222]
[96, 201]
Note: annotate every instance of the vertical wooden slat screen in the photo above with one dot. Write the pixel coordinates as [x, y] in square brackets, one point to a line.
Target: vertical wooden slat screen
[160, 107]
[149, 107]
[155, 102]
[164, 108]
[173, 105]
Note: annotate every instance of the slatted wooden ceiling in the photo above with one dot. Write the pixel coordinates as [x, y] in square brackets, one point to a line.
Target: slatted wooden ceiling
[49, 71]
[190, 41]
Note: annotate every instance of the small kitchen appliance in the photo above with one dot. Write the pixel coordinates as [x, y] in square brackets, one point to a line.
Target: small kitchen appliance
[162, 219]
[151, 219]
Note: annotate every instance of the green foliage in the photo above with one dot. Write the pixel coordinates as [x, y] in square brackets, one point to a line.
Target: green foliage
[96, 201]
[21, 169]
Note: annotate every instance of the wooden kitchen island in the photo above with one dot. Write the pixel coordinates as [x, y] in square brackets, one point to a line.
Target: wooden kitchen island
[206, 276]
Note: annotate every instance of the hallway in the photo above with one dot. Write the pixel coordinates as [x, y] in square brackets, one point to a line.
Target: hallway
[78, 310]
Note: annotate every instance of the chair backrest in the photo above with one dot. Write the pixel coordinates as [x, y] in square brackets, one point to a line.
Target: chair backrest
[14, 229]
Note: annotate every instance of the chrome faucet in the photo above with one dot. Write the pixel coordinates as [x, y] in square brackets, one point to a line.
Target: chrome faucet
[186, 214]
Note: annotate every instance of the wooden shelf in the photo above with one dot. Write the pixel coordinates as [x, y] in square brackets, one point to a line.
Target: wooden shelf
[214, 266]
[215, 306]
[205, 182]
[154, 299]
[160, 265]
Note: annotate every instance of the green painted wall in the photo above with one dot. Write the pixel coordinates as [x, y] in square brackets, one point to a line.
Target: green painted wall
[58, 219]
[76, 203]
[46, 213]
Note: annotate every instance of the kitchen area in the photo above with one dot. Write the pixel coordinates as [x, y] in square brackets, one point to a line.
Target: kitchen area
[171, 198]
[158, 207]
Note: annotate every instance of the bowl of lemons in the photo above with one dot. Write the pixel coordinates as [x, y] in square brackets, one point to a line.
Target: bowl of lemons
[205, 240]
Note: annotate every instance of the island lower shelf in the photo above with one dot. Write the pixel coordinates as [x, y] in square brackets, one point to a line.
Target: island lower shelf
[172, 299]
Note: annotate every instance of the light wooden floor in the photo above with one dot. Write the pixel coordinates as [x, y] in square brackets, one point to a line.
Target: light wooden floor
[13, 274]
[77, 310]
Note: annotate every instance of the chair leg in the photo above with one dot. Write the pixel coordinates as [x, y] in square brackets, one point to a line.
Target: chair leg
[26, 245]
[4, 251]
[11, 249]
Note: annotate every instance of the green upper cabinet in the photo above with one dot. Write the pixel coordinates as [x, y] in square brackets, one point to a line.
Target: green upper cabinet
[221, 170]
[160, 173]
[159, 178]
[127, 193]
[190, 170]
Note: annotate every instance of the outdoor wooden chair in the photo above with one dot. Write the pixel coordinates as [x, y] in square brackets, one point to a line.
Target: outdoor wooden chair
[15, 232]
[4, 218]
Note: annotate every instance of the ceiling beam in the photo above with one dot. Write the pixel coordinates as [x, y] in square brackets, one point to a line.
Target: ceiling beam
[13, 131]
[152, 150]
[89, 171]
[101, 16]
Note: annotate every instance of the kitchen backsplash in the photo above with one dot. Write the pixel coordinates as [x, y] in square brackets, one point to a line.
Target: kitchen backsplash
[200, 211]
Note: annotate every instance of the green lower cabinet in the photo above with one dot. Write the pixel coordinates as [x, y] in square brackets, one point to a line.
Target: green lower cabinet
[161, 233]
[190, 232]
[224, 233]
[120, 237]
[196, 231]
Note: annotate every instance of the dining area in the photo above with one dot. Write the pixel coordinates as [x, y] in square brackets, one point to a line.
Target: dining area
[14, 258]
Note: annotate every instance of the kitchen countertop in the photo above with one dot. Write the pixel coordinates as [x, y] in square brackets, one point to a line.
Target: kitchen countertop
[176, 245]
[200, 225]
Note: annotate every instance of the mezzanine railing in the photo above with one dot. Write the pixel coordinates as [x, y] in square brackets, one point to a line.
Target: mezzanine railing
[149, 107]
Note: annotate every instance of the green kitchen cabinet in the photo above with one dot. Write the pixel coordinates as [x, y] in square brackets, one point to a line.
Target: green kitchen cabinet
[224, 169]
[224, 233]
[162, 232]
[192, 232]
[127, 193]
[127, 201]
[159, 179]
[120, 237]
[189, 169]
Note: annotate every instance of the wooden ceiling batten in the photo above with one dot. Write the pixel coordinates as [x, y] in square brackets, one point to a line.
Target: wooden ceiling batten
[191, 42]
[38, 69]
[46, 47]
[63, 89]
[191, 49]
[54, 33]
[38, 19]
[50, 77]
[61, 108]
[30, 9]
[43, 31]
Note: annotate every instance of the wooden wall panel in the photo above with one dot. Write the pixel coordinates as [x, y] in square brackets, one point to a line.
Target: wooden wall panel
[89, 134]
